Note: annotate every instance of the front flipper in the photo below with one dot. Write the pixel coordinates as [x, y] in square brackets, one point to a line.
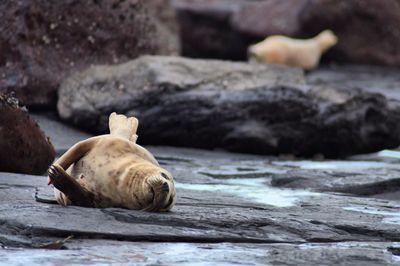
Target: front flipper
[77, 194]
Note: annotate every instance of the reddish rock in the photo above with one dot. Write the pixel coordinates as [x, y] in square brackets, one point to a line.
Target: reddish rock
[42, 41]
[23, 146]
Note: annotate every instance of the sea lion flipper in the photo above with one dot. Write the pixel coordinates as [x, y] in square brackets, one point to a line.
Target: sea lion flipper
[124, 127]
[76, 152]
[77, 194]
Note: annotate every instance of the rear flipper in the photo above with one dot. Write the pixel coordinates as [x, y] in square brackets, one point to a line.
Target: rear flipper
[72, 191]
[123, 127]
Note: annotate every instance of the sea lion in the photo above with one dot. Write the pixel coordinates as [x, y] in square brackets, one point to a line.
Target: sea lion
[278, 49]
[112, 171]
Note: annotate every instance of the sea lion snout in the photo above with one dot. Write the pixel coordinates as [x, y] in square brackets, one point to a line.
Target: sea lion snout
[165, 187]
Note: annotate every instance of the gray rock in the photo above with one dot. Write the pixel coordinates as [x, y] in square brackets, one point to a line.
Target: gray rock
[227, 213]
[263, 109]
[338, 229]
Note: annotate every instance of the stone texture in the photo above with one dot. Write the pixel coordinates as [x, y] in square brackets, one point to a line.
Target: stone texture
[167, 27]
[340, 229]
[367, 30]
[42, 41]
[23, 146]
[375, 79]
[206, 32]
[215, 221]
[261, 109]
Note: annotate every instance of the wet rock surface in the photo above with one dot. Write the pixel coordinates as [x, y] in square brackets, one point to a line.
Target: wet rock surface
[42, 42]
[261, 109]
[374, 79]
[216, 219]
[224, 29]
[24, 148]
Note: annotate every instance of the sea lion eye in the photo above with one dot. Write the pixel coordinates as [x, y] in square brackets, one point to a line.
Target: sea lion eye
[165, 176]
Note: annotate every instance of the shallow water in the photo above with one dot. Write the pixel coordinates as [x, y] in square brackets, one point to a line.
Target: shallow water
[333, 165]
[389, 153]
[253, 189]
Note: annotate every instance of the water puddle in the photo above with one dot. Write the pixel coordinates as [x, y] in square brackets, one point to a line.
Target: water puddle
[389, 153]
[333, 165]
[253, 189]
[389, 217]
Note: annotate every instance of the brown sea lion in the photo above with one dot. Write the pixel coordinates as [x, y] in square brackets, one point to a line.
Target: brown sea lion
[112, 171]
[278, 49]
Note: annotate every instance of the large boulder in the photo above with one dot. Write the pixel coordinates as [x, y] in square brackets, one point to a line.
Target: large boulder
[41, 42]
[23, 146]
[368, 32]
[263, 109]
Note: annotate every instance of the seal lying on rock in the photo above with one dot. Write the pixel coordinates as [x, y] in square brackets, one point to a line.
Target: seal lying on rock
[112, 171]
[278, 49]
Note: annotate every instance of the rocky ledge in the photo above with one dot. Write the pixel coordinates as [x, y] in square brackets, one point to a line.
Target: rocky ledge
[241, 107]
[231, 208]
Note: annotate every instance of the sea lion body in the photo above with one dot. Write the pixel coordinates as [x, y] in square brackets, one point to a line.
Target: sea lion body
[306, 54]
[119, 173]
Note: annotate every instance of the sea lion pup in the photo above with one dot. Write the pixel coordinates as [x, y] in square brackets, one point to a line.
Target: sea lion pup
[112, 171]
[278, 49]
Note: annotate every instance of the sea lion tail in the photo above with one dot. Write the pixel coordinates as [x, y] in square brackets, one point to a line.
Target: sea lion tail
[161, 190]
[122, 126]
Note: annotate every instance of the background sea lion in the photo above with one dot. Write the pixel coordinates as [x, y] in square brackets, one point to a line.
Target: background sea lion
[278, 49]
[112, 171]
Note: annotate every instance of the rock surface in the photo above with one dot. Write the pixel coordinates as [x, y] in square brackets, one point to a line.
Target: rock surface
[205, 29]
[227, 212]
[262, 109]
[23, 146]
[375, 79]
[41, 42]
[368, 33]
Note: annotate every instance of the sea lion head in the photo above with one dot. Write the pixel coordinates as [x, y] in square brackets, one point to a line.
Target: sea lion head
[159, 193]
[327, 39]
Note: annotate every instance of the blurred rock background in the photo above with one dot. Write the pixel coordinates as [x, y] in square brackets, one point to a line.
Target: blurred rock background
[50, 52]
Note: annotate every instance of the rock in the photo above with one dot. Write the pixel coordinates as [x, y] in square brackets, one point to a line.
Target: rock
[375, 79]
[262, 109]
[167, 26]
[62, 136]
[362, 38]
[42, 42]
[206, 32]
[226, 213]
[23, 146]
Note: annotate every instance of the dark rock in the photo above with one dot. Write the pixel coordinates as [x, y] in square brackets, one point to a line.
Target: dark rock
[206, 31]
[23, 146]
[368, 32]
[41, 42]
[261, 109]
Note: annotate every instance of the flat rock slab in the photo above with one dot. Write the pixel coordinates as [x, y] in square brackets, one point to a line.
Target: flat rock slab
[105, 252]
[224, 214]
[261, 109]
